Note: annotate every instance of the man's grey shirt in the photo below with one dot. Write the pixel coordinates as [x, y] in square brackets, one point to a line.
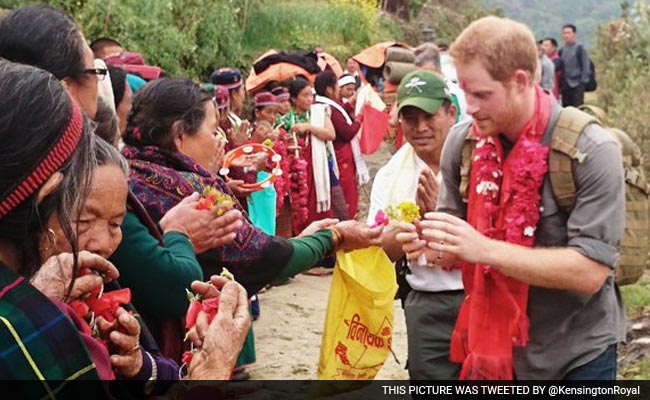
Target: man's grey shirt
[575, 64]
[567, 329]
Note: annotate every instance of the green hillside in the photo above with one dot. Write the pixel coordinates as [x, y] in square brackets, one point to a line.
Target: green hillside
[546, 18]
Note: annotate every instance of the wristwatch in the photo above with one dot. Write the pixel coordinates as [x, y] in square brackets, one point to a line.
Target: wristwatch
[151, 382]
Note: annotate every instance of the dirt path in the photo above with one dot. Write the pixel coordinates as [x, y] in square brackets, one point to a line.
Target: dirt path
[288, 333]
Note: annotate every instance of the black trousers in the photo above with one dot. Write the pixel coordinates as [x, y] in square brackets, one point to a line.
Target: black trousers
[573, 96]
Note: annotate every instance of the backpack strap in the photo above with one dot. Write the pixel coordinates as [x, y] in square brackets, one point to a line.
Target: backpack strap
[571, 123]
[466, 164]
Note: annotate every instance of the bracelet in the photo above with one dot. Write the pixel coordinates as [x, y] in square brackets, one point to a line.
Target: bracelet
[337, 239]
[151, 382]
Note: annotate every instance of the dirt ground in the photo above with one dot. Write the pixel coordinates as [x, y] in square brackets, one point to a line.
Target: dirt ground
[288, 333]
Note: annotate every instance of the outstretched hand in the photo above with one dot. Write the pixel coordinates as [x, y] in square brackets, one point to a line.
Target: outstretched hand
[204, 229]
[318, 225]
[358, 235]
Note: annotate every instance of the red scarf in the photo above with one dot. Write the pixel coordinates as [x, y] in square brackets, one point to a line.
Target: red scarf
[503, 204]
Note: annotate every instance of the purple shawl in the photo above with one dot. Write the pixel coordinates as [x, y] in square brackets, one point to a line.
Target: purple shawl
[160, 179]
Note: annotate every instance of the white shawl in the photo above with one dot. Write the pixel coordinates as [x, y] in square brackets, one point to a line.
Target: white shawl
[363, 175]
[319, 153]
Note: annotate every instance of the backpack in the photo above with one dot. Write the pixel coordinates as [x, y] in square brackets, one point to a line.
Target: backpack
[592, 84]
[635, 243]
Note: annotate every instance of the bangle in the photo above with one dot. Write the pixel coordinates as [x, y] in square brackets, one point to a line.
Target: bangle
[337, 239]
[151, 382]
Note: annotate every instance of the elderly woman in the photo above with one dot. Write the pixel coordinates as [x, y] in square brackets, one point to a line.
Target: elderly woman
[171, 147]
[47, 38]
[46, 153]
[98, 223]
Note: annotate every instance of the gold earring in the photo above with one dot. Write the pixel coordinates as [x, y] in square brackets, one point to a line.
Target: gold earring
[51, 240]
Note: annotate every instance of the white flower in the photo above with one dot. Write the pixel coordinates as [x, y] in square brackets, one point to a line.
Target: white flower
[480, 143]
[529, 231]
[486, 186]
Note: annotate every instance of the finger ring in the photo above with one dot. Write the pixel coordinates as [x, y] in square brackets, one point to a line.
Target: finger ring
[439, 257]
[134, 349]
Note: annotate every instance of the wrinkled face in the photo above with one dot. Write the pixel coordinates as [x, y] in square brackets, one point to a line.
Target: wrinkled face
[124, 108]
[489, 102]
[205, 146]
[568, 35]
[267, 114]
[548, 47]
[303, 101]
[426, 132]
[347, 91]
[99, 224]
[84, 91]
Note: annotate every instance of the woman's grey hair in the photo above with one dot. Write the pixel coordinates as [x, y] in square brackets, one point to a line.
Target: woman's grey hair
[108, 155]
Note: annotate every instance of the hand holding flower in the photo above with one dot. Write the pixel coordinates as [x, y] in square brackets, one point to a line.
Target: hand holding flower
[123, 337]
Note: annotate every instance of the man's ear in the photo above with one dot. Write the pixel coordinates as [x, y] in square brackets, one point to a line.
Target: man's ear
[452, 112]
[522, 79]
[50, 186]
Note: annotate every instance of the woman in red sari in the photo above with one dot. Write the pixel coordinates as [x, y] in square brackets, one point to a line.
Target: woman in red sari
[298, 122]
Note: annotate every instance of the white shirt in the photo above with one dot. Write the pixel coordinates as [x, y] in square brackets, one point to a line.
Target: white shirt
[422, 278]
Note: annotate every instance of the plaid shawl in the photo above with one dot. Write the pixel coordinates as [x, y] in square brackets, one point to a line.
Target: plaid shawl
[160, 179]
[39, 343]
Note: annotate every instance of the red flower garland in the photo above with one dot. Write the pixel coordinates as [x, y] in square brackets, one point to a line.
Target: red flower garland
[282, 183]
[503, 205]
[299, 191]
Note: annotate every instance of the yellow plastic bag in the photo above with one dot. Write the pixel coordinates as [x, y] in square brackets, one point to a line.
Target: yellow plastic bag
[359, 320]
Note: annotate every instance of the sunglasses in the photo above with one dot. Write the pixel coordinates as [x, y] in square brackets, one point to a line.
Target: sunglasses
[100, 72]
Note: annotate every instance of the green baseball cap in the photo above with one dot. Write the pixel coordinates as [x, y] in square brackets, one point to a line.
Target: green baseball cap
[422, 89]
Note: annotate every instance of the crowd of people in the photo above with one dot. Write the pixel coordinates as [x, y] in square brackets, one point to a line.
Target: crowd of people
[107, 164]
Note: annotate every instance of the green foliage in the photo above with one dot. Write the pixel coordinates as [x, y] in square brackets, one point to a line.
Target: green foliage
[623, 70]
[191, 38]
[546, 18]
[448, 18]
[636, 297]
[341, 27]
[185, 37]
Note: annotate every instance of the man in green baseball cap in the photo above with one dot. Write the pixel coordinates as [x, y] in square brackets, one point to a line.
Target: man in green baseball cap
[422, 89]
[431, 297]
